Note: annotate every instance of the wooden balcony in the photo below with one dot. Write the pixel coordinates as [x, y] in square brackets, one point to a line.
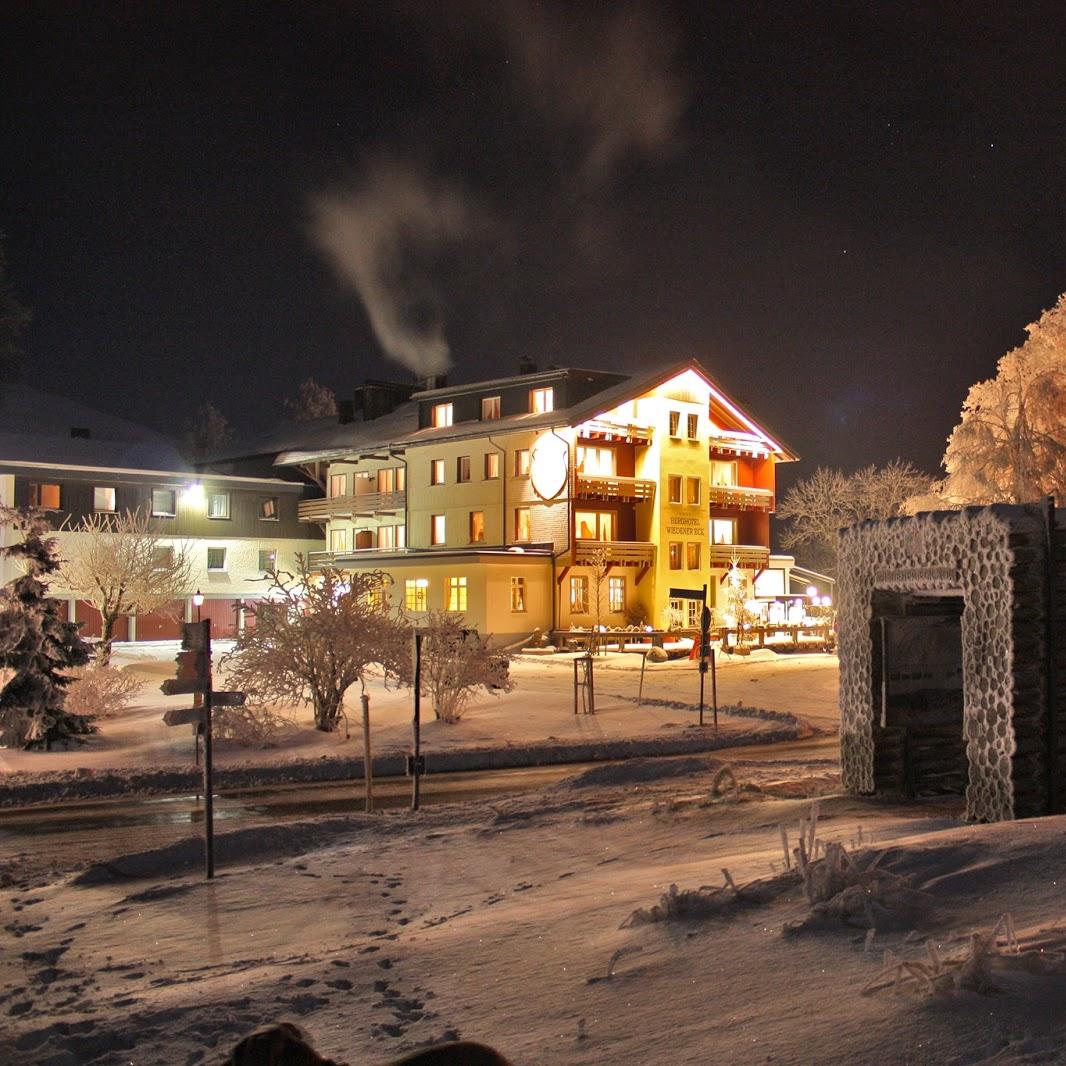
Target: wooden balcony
[365, 504]
[740, 497]
[628, 489]
[618, 552]
[607, 429]
[747, 556]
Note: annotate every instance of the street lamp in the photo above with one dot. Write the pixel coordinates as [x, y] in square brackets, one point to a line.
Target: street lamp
[198, 602]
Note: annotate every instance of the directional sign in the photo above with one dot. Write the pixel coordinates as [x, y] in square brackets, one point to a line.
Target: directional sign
[180, 687]
[688, 594]
[183, 716]
[227, 699]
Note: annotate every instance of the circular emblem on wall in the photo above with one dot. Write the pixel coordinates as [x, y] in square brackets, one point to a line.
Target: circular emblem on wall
[549, 466]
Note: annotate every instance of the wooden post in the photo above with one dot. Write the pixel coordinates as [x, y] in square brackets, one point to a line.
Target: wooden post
[209, 799]
[416, 723]
[368, 759]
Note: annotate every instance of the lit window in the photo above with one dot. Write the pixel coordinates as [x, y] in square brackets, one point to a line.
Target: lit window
[401, 536]
[268, 508]
[673, 488]
[443, 415]
[338, 540]
[103, 499]
[675, 423]
[436, 472]
[692, 490]
[338, 484]
[456, 594]
[401, 479]
[579, 595]
[462, 468]
[416, 594]
[163, 503]
[437, 533]
[216, 558]
[541, 401]
[523, 528]
[386, 537]
[492, 466]
[46, 496]
[723, 474]
[616, 594]
[518, 594]
[598, 462]
[490, 408]
[218, 505]
[594, 525]
[268, 560]
[692, 555]
[521, 462]
[477, 527]
[387, 480]
[675, 555]
[693, 427]
[723, 531]
[695, 610]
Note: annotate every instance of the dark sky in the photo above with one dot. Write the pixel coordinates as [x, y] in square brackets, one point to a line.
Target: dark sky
[847, 211]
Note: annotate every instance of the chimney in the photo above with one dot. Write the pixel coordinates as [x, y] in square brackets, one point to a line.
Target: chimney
[434, 381]
[526, 365]
[376, 398]
[345, 411]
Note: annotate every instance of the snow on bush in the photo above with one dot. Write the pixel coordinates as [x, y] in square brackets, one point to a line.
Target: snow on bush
[102, 691]
[253, 725]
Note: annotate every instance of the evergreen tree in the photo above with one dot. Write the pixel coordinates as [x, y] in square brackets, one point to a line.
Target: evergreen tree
[37, 645]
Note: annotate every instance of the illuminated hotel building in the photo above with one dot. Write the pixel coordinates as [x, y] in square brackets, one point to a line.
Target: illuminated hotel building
[493, 498]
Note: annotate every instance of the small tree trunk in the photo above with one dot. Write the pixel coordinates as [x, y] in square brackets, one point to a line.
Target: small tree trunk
[368, 759]
[327, 710]
[107, 637]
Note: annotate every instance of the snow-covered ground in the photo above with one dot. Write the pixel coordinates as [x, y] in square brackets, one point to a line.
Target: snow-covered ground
[539, 709]
[503, 921]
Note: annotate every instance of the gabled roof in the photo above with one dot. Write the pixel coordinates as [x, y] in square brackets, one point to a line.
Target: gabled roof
[400, 428]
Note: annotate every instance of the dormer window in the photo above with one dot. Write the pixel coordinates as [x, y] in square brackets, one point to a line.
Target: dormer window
[541, 401]
[490, 408]
[443, 415]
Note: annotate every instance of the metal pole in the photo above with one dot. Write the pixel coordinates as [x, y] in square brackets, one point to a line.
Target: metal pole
[643, 663]
[416, 723]
[714, 689]
[703, 667]
[209, 800]
[368, 761]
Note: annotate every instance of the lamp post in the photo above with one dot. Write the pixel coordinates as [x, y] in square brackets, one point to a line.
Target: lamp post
[198, 602]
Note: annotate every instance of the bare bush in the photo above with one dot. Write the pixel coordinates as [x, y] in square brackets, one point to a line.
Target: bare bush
[708, 901]
[102, 691]
[255, 725]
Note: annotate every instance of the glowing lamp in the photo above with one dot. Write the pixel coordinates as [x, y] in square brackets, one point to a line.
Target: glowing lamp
[811, 591]
[827, 601]
[193, 495]
[549, 466]
[198, 598]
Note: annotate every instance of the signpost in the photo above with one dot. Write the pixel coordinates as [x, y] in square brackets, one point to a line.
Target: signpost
[706, 651]
[194, 678]
[416, 763]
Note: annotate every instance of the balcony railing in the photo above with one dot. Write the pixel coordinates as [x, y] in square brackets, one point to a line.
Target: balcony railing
[594, 487]
[741, 497]
[368, 503]
[607, 429]
[747, 556]
[619, 552]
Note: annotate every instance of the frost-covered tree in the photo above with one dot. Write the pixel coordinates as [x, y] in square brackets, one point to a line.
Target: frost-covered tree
[14, 318]
[458, 662]
[817, 506]
[37, 645]
[123, 565]
[316, 635]
[209, 432]
[312, 401]
[1010, 445]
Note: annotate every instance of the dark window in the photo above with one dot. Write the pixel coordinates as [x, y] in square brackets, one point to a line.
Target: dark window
[216, 558]
[163, 503]
[268, 508]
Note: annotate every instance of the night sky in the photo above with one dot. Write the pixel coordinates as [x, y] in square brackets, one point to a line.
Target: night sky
[847, 211]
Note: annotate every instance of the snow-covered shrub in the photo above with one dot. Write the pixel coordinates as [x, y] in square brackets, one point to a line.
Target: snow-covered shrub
[457, 662]
[102, 691]
[253, 725]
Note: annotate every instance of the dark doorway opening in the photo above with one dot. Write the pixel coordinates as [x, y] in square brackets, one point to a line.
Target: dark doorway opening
[919, 739]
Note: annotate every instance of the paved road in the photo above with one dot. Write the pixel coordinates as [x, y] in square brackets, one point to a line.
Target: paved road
[62, 836]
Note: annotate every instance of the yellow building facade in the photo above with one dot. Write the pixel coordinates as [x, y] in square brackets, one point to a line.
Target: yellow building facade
[554, 500]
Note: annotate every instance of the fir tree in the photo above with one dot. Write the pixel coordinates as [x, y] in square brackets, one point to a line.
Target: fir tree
[37, 645]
